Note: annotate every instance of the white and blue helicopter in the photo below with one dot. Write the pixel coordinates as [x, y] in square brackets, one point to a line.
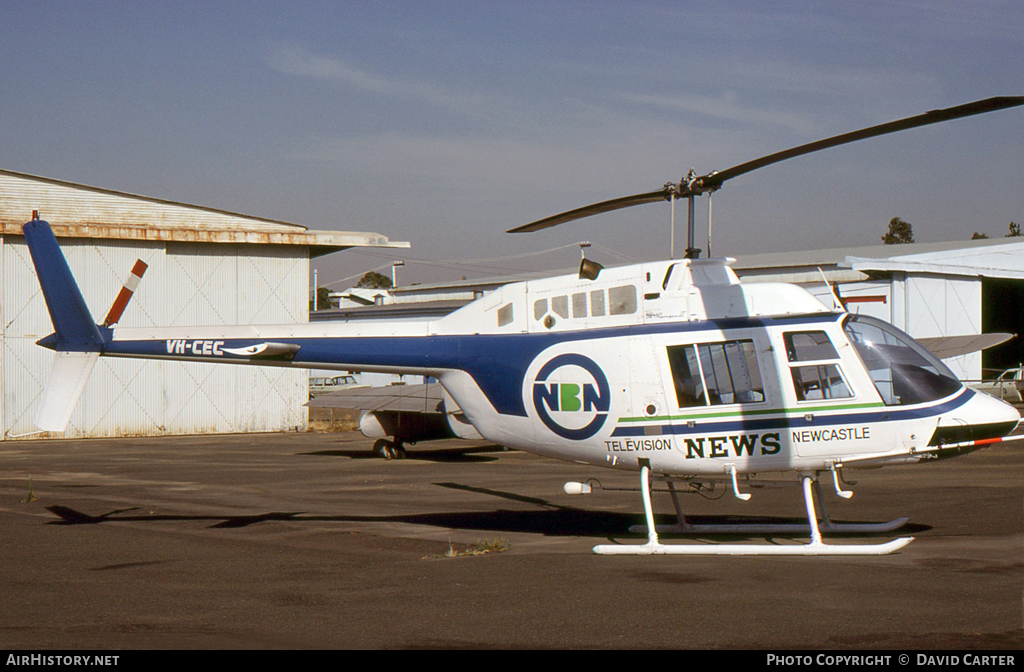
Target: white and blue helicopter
[671, 368]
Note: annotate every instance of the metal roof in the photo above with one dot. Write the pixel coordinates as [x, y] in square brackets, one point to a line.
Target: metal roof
[998, 259]
[994, 257]
[838, 255]
[82, 211]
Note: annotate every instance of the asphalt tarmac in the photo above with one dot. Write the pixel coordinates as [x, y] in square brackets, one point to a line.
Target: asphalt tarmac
[288, 541]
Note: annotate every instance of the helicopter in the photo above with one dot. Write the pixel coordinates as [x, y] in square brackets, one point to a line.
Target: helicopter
[673, 369]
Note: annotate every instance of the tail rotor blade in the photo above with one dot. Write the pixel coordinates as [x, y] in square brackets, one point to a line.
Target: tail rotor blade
[125, 295]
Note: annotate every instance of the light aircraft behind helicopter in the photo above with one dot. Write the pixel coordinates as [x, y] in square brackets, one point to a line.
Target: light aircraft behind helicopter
[672, 368]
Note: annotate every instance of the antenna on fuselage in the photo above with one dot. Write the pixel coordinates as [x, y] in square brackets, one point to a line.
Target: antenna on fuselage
[837, 302]
[709, 225]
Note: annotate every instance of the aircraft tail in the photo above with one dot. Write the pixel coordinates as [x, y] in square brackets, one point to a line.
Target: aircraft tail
[74, 328]
[76, 338]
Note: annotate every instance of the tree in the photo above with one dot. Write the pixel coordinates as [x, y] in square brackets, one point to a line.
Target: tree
[1014, 231]
[979, 236]
[374, 280]
[899, 232]
[323, 299]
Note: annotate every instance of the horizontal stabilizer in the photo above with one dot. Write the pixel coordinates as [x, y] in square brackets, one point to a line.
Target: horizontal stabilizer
[67, 380]
[944, 347]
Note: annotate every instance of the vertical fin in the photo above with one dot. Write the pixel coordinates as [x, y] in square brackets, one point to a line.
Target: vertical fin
[77, 338]
[75, 329]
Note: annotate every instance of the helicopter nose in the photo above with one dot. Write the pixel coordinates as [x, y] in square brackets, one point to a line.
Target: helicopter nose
[982, 417]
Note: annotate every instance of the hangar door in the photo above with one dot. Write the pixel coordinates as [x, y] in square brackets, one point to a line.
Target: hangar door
[1002, 310]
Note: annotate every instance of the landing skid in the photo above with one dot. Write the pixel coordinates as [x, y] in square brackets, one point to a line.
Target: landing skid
[815, 547]
[774, 528]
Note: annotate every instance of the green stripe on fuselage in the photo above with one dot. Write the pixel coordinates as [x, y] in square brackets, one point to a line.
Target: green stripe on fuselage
[781, 412]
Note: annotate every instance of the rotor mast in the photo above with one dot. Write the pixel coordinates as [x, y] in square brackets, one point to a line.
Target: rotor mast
[688, 187]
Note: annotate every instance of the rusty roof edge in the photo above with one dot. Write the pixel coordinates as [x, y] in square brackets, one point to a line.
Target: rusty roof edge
[320, 239]
[151, 199]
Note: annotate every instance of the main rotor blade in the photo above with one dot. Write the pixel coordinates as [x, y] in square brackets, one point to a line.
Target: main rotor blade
[595, 209]
[932, 117]
[713, 181]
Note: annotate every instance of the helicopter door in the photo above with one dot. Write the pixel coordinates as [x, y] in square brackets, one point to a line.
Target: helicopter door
[829, 402]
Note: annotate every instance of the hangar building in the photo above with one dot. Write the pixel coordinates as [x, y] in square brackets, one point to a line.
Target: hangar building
[206, 267]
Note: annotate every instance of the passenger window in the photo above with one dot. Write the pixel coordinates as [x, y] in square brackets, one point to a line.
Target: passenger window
[597, 303]
[540, 308]
[808, 346]
[579, 305]
[622, 300]
[682, 360]
[819, 382]
[560, 306]
[710, 374]
[505, 315]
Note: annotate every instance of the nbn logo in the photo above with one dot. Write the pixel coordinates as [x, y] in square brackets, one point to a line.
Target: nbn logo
[591, 400]
[566, 397]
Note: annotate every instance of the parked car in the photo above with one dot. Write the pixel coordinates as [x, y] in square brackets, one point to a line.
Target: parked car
[1007, 386]
[320, 385]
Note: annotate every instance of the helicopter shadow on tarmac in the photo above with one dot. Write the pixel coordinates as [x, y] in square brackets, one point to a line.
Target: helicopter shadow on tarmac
[549, 519]
[452, 455]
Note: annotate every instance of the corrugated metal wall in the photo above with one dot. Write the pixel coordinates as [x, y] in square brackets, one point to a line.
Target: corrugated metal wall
[926, 305]
[186, 285]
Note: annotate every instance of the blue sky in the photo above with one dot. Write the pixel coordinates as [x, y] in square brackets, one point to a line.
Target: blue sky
[446, 123]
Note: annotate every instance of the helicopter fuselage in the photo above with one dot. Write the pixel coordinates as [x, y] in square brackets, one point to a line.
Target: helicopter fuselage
[676, 362]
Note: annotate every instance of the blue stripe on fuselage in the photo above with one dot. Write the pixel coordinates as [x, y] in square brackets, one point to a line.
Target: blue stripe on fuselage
[497, 362]
[799, 421]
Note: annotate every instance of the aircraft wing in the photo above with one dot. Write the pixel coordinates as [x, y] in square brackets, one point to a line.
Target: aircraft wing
[423, 398]
[945, 347]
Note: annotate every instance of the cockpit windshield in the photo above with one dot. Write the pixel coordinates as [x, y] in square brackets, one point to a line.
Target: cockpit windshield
[903, 371]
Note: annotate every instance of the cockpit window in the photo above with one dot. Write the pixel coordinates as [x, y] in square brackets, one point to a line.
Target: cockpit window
[902, 370]
[822, 380]
[819, 381]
